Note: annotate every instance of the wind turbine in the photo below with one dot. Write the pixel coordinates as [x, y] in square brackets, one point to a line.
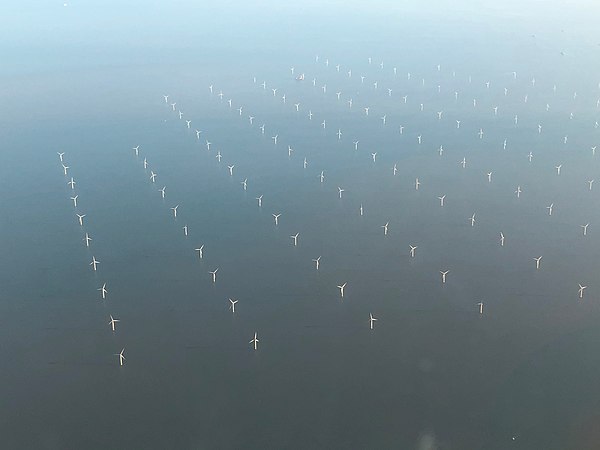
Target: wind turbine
[121, 357]
[444, 273]
[372, 320]
[112, 323]
[103, 291]
[584, 227]
[214, 274]
[295, 238]
[317, 262]
[472, 220]
[385, 228]
[255, 341]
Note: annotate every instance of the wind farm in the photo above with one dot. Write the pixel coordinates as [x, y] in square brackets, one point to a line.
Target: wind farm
[318, 231]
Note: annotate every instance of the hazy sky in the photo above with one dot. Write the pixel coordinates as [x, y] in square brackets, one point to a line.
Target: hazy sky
[174, 22]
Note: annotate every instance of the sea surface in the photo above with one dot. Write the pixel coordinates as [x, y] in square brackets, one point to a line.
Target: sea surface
[88, 79]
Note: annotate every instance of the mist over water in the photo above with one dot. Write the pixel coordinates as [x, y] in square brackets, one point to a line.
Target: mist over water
[89, 80]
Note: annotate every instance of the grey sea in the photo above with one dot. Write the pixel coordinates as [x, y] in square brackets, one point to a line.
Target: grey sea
[493, 107]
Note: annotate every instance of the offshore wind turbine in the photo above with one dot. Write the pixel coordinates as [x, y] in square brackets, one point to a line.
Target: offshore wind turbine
[317, 262]
[295, 238]
[584, 228]
[112, 323]
[372, 320]
[103, 291]
[472, 220]
[121, 357]
[444, 273]
[385, 228]
[255, 341]
[214, 274]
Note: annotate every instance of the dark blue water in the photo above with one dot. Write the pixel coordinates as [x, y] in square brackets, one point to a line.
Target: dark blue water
[89, 80]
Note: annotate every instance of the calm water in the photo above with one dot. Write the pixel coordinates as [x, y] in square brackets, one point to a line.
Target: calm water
[434, 373]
